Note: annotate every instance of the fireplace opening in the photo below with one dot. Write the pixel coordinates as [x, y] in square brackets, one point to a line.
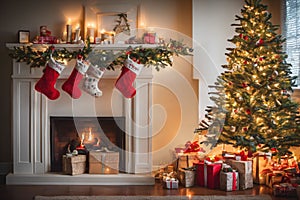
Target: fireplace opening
[84, 134]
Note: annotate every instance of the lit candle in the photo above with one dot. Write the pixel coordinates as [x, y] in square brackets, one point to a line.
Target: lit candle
[91, 34]
[77, 34]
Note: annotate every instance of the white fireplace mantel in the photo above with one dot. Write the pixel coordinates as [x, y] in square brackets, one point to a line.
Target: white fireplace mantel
[31, 126]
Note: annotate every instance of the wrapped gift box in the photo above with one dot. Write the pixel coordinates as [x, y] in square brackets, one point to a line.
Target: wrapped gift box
[74, 165]
[294, 180]
[186, 177]
[47, 40]
[246, 181]
[208, 174]
[186, 160]
[263, 176]
[171, 183]
[244, 169]
[284, 190]
[103, 162]
[229, 181]
[260, 162]
[149, 38]
[273, 178]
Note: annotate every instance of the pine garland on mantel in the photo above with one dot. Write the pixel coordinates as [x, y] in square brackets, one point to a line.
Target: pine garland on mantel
[159, 56]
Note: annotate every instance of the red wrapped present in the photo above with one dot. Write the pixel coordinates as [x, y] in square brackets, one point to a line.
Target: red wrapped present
[46, 40]
[208, 174]
[149, 38]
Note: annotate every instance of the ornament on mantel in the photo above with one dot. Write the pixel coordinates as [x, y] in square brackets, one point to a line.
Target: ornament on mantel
[122, 25]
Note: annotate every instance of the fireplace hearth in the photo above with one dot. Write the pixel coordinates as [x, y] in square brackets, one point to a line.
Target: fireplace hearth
[84, 134]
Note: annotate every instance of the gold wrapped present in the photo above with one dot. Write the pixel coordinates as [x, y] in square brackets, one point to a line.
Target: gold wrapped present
[74, 165]
[103, 162]
[186, 177]
[260, 162]
[243, 167]
[186, 160]
[274, 178]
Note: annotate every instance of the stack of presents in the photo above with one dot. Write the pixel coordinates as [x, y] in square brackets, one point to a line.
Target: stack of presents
[95, 162]
[232, 171]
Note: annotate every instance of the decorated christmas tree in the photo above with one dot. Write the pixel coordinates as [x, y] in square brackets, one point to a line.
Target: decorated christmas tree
[253, 108]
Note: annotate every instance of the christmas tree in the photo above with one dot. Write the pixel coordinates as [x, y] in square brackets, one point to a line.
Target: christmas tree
[253, 109]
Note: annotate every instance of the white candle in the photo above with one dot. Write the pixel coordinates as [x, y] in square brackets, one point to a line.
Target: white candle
[69, 33]
[91, 34]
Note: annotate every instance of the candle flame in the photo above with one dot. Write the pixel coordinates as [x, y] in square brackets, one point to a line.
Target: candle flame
[90, 138]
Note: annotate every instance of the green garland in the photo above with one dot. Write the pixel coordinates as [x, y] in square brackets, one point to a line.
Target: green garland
[160, 56]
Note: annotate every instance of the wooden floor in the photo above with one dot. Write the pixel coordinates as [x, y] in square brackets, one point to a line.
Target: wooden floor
[23, 192]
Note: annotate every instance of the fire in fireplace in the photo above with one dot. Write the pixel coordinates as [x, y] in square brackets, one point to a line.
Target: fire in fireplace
[84, 134]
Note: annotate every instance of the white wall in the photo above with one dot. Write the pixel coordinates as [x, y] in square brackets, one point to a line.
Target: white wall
[211, 30]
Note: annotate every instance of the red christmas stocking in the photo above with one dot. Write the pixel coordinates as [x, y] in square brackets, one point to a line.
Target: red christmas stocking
[93, 75]
[46, 83]
[71, 84]
[129, 72]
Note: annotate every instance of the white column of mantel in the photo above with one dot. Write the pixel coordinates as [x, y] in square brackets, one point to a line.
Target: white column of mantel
[142, 125]
[27, 134]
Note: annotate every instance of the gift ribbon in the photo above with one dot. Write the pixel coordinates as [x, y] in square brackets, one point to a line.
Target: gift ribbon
[170, 184]
[205, 175]
[103, 161]
[234, 181]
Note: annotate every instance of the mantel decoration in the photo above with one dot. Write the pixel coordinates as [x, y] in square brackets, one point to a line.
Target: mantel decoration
[122, 24]
[92, 63]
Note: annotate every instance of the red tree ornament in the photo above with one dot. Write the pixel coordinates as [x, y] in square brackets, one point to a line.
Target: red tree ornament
[248, 111]
[260, 42]
[245, 85]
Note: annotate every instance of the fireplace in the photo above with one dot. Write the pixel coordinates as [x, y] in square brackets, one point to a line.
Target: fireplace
[33, 115]
[84, 134]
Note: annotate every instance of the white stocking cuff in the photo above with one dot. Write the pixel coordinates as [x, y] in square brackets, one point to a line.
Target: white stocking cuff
[82, 66]
[56, 65]
[95, 71]
[133, 66]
